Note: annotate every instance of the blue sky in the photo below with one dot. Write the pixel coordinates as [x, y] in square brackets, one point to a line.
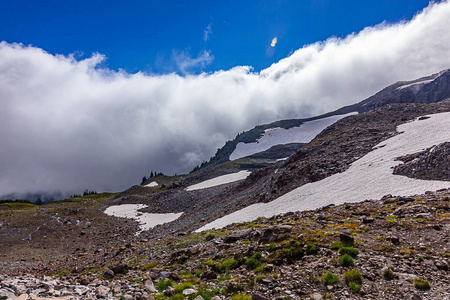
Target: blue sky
[152, 36]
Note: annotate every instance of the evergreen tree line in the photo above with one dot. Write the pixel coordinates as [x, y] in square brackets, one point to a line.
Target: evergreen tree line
[152, 174]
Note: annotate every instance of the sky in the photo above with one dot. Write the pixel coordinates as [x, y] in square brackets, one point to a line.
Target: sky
[97, 94]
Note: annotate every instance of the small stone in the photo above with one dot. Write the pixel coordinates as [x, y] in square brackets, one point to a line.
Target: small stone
[394, 239]
[119, 268]
[367, 220]
[441, 265]
[210, 237]
[437, 227]
[316, 296]
[108, 274]
[413, 297]
[188, 292]
[170, 291]
[162, 275]
[209, 275]
[257, 296]
[346, 237]
[268, 268]
[149, 286]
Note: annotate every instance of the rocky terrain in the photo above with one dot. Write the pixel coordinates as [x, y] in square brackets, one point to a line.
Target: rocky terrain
[391, 248]
[430, 164]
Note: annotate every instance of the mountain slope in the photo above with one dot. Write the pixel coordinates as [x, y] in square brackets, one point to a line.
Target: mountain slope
[369, 177]
[429, 89]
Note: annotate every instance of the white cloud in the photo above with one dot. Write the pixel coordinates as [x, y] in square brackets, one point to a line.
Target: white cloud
[185, 63]
[207, 32]
[69, 125]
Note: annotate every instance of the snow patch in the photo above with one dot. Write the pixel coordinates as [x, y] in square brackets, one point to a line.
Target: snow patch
[370, 177]
[280, 136]
[415, 83]
[146, 220]
[219, 180]
[152, 184]
[281, 159]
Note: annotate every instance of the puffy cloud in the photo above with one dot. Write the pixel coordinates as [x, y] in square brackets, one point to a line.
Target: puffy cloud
[68, 124]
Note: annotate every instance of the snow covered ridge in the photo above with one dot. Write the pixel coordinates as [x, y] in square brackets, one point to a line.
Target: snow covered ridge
[146, 220]
[370, 177]
[280, 136]
[152, 184]
[219, 180]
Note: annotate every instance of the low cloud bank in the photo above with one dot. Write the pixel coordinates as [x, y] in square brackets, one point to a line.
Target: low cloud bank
[69, 125]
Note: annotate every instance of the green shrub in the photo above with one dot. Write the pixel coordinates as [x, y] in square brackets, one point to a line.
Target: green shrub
[224, 277]
[164, 284]
[294, 252]
[353, 252]
[226, 265]
[182, 286]
[252, 263]
[311, 249]
[421, 284]
[354, 287]
[257, 255]
[388, 274]
[209, 262]
[313, 278]
[241, 297]
[353, 276]
[260, 268]
[330, 278]
[178, 297]
[337, 245]
[272, 246]
[346, 261]
[206, 294]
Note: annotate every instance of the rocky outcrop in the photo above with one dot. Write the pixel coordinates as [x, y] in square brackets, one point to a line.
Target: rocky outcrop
[430, 164]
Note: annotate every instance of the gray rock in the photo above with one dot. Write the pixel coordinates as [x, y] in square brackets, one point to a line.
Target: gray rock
[412, 297]
[188, 292]
[236, 235]
[170, 291]
[258, 296]
[346, 237]
[162, 275]
[119, 268]
[108, 274]
[149, 286]
[209, 275]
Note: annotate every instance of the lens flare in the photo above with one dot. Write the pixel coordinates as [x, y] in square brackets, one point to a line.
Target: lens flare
[274, 42]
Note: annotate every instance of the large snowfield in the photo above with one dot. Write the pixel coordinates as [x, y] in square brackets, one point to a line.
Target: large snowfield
[370, 177]
[219, 180]
[280, 136]
[146, 220]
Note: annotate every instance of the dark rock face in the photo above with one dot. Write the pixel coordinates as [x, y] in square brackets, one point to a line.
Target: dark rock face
[431, 164]
[430, 89]
[119, 268]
